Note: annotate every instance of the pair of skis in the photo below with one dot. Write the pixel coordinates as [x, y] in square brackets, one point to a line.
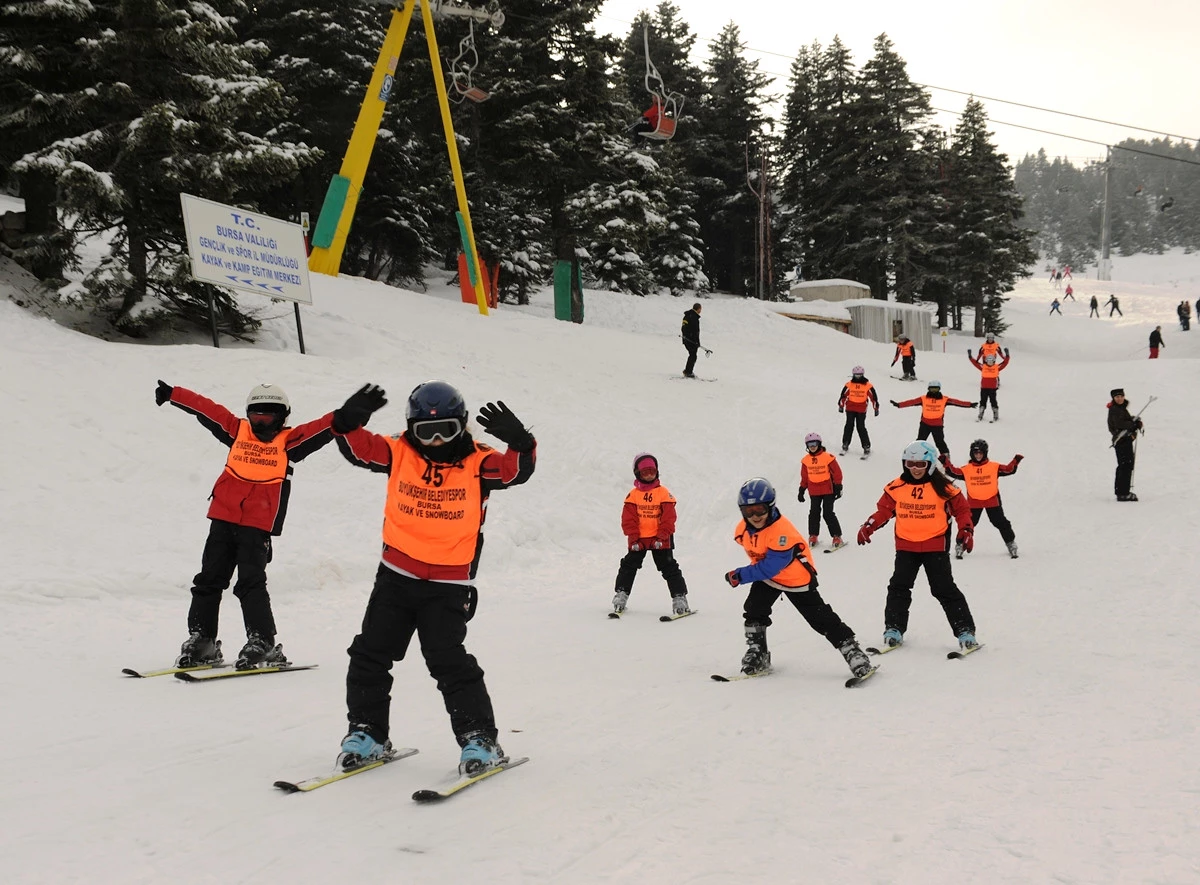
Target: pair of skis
[425, 796]
[210, 672]
[850, 683]
[616, 616]
[950, 656]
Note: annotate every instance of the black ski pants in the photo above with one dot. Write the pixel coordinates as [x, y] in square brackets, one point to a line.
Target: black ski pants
[856, 420]
[228, 547]
[664, 561]
[818, 505]
[909, 365]
[1125, 457]
[815, 610]
[692, 350]
[986, 395]
[941, 584]
[438, 613]
[924, 431]
[998, 519]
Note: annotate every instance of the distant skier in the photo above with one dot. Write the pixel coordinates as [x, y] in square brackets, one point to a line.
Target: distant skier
[1058, 280]
[989, 346]
[1123, 428]
[249, 505]
[690, 330]
[648, 521]
[922, 501]
[1067, 272]
[1156, 341]
[1095, 305]
[989, 381]
[820, 477]
[856, 394]
[1113, 304]
[1185, 315]
[982, 479]
[1054, 305]
[933, 411]
[1069, 293]
[906, 352]
[1053, 275]
[780, 562]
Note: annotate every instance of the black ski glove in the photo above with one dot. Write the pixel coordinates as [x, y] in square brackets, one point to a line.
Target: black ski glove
[358, 409]
[837, 492]
[800, 496]
[498, 420]
[163, 393]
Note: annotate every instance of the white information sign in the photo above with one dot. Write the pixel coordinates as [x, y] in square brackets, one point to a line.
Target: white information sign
[244, 250]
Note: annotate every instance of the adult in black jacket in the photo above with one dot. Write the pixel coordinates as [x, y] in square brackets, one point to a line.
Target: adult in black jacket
[1156, 341]
[1124, 428]
[690, 330]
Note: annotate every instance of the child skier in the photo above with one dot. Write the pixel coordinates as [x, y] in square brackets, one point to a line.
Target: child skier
[821, 477]
[922, 500]
[853, 401]
[648, 521]
[780, 562]
[933, 410]
[989, 346]
[249, 504]
[906, 352]
[439, 480]
[989, 380]
[983, 491]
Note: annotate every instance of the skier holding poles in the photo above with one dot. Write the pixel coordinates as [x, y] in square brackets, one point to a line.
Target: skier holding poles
[1124, 429]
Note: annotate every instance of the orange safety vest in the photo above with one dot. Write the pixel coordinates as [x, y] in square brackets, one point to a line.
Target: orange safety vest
[818, 467]
[983, 480]
[906, 349]
[857, 393]
[986, 371]
[649, 508]
[434, 512]
[932, 409]
[986, 349]
[921, 514]
[252, 460]
[779, 535]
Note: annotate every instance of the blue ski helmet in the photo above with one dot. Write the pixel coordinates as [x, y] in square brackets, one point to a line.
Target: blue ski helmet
[435, 399]
[756, 491]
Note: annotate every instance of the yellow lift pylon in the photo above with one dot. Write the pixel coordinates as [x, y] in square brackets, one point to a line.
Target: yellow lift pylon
[341, 199]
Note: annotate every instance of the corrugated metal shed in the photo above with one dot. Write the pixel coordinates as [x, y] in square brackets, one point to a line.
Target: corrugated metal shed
[884, 321]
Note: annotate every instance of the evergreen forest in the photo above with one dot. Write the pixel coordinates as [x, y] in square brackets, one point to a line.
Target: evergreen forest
[109, 109]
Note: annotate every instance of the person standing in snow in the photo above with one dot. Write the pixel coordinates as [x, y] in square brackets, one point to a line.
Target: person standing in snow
[1156, 341]
[856, 393]
[906, 352]
[933, 411]
[1069, 293]
[989, 346]
[1067, 273]
[983, 491]
[1184, 312]
[249, 505]
[989, 380]
[1113, 304]
[922, 501]
[1095, 305]
[690, 330]
[821, 478]
[439, 480]
[648, 521]
[1054, 305]
[1124, 429]
[781, 563]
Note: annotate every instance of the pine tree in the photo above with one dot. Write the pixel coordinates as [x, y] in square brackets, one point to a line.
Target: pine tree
[172, 111]
[991, 248]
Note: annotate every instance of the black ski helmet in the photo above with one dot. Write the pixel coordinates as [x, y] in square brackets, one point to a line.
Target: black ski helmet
[979, 445]
[435, 399]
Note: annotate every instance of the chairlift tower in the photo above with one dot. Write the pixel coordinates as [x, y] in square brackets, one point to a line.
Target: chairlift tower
[341, 199]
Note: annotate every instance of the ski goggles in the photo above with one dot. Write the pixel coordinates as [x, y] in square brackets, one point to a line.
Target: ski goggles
[262, 418]
[754, 510]
[444, 429]
[917, 465]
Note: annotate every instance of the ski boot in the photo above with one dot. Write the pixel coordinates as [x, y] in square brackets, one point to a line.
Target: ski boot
[856, 658]
[757, 658]
[837, 542]
[814, 540]
[866, 451]
[980, 418]
[620, 600]
[995, 415]
[479, 753]
[967, 640]
[892, 637]
[359, 748]
[198, 650]
[1012, 549]
[844, 450]
[1127, 497]
[260, 651]
[679, 605]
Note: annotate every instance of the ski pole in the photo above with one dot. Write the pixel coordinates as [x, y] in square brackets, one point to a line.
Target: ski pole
[1124, 433]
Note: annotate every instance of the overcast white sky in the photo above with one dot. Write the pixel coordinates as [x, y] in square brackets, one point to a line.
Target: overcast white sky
[1128, 62]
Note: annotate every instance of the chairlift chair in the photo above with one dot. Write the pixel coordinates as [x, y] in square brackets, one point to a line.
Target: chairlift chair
[670, 104]
[461, 67]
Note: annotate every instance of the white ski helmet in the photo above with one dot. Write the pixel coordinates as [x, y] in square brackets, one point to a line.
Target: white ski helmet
[268, 394]
[920, 450]
[812, 438]
[858, 370]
